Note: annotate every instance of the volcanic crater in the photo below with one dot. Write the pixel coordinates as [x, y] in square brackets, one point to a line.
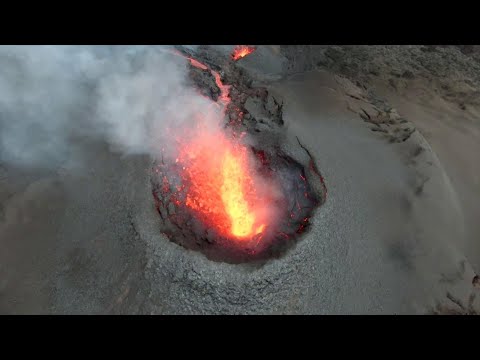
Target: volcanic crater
[236, 196]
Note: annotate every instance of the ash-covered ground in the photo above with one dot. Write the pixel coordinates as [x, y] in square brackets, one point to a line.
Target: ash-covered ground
[395, 234]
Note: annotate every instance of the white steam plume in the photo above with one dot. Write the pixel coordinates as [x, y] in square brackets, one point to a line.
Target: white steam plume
[129, 95]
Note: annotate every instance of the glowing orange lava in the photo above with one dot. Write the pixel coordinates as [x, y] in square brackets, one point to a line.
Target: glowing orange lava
[197, 64]
[241, 51]
[221, 189]
[233, 197]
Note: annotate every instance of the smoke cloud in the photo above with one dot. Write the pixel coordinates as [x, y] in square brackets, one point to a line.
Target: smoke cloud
[132, 96]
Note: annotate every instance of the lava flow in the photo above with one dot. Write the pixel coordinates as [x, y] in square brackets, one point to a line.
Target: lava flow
[241, 51]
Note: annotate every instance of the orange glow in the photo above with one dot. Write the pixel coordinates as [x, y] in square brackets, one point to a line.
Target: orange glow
[197, 64]
[233, 196]
[221, 189]
[241, 51]
[224, 89]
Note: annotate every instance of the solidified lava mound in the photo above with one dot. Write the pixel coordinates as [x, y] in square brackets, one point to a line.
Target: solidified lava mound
[197, 217]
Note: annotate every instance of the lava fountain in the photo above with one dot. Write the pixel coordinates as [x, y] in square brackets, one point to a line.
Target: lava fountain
[222, 186]
[240, 51]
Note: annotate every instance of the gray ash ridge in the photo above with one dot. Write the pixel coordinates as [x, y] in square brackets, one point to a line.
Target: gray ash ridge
[300, 181]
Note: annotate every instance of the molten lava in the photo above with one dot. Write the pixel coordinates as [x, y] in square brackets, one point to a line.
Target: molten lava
[221, 185]
[197, 64]
[234, 197]
[241, 51]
